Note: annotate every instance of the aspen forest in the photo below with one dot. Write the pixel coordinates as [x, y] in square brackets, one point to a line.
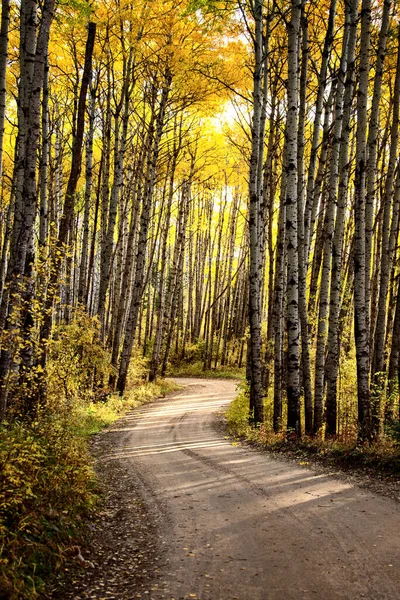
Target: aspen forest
[209, 183]
[196, 187]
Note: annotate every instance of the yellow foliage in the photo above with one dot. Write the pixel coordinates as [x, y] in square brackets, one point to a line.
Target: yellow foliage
[46, 480]
[77, 360]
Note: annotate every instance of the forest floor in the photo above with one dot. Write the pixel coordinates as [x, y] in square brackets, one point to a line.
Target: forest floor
[189, 513]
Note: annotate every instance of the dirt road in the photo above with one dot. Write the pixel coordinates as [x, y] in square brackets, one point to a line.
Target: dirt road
[240, 525]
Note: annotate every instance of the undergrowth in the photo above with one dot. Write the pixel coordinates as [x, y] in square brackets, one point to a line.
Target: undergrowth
[381, 456]
[196, 370]
[47, 482]
[94, 416]
[47, 486]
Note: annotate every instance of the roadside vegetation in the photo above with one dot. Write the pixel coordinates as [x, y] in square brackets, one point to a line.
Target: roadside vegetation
[47, 481]
[197, 370]
[380, 457]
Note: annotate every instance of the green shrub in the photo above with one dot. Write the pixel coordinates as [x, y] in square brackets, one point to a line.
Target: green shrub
[237, 414]
[46, 485]
[193, 353]
[78, 364]
[394, 434]
[138, 369]
[196, 370]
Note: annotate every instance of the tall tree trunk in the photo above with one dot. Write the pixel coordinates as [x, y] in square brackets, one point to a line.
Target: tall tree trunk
[177, 284]
[120, 138]
[129, 265]
[162, 316]
[44, 163]
[361, 270]
[372, 153]
[279, 293]
[305, 350]
[322, 81]
[386, 257]
[33, 55]
[292, 318]
[83, 275]
[257, 145]
[328, 237]
[131, 324]
[333, 346]
[69, 200]
[318, 208]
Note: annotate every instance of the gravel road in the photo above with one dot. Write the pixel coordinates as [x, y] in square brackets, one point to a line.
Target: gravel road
[237, 524]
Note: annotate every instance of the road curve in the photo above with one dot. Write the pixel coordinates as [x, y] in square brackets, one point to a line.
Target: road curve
[238, 524]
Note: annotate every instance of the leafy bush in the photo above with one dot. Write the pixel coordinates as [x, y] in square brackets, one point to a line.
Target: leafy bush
[138, 369]
[196, 370]
[394, 434]
[46, 485]
[237, 414]
[193, 353]
[78, 364]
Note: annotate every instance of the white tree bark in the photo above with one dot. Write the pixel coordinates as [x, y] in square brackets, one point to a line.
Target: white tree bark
[292, 318]
[328, 236]
[322, 81]
[372, 144]
[138, 287]
[255, 273]
[386, 257]
[360, 268]
[332, 361]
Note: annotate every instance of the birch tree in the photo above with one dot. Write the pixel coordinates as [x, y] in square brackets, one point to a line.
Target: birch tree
[292, 319]
[361, 270]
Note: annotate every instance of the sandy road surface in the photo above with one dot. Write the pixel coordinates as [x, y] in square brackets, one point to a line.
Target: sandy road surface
[240, 525]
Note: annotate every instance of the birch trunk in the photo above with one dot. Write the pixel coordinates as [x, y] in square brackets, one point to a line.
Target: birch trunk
[328, 238]
[129, 266]
[34, 48]
[318, 208]
[333, 346]
[177, 287]
[132, 320]
[360, 268]
[120, 138]
[69, 200]
[386, 257]
[256, 391]
[292, 318]
[372, 153]
[393, 327]
[305, 350]
[279, 292]
[83, 275]
[322, 80]
[44, 163]
[162, 316]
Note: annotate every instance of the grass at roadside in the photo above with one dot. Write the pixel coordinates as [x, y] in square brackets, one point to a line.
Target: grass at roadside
[94, 416]
[48, 487]
[381, 458]
[196, 370]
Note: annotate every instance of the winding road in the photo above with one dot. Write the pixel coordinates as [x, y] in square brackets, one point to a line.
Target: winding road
[237, 524]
